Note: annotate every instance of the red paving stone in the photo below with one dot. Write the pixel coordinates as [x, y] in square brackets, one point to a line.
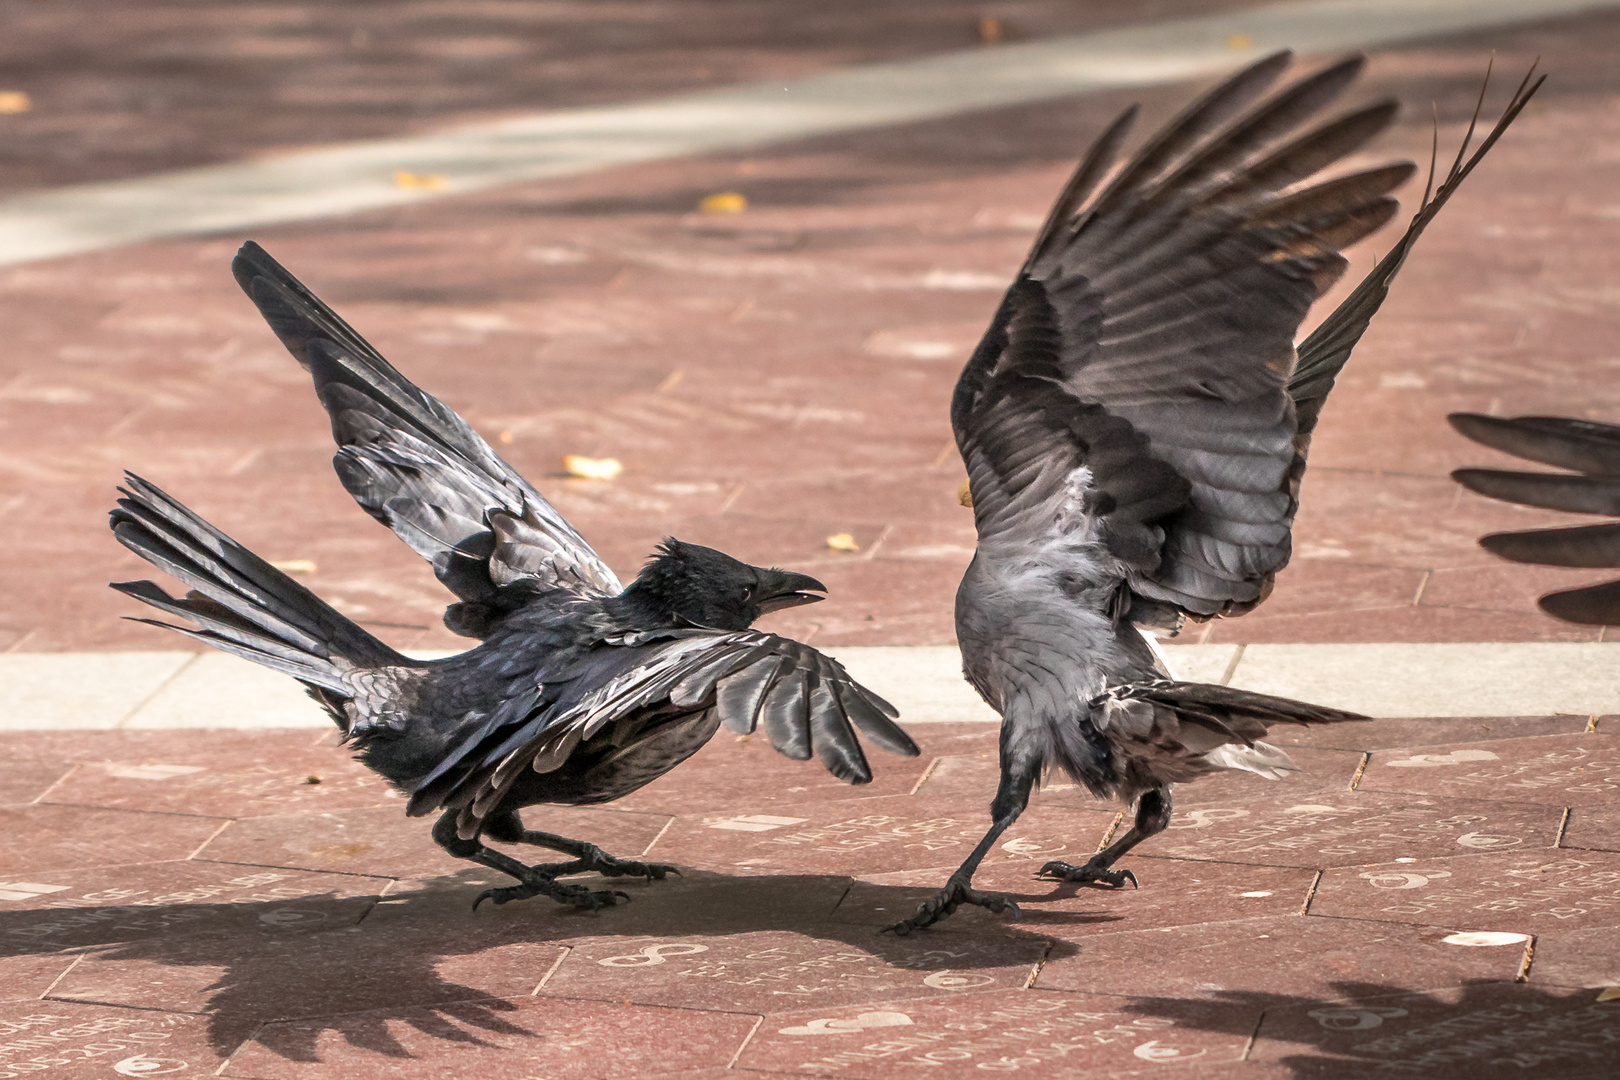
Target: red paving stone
[499, 1037]
[1566, 770]
[762, 378]
[975, 1033]
[583, 299]
[98, 905]
[342, 942]
[93, 1041]
[1521, 891]
[1595, 827]
[1483, 1030]
[1352, 828]
[1294, 954]
[36, 838]
[769, 971]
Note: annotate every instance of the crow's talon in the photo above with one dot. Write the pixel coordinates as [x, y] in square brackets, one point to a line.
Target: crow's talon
[955, 893]
[1090, 873]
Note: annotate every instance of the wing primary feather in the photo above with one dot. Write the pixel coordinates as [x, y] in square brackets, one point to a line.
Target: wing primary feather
[1579, 545]
[1098, 160]
[1290, 106]
[741, 693]
[785, 713]
[1323, 354]
[832, 737]
[1583, 445]
[1594, 605]
[1546, 491]
[1196, 121]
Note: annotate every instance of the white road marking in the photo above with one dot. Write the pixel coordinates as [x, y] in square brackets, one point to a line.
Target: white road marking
[342, 179]
[107, 690]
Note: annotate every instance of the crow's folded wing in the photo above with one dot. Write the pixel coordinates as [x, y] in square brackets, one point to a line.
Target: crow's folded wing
[1146, 349]
[1591, 449]
[416, 466]
[804, 700]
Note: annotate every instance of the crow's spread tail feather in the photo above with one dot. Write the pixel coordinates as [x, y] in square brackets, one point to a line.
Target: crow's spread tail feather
[1164, 731]
[239, 602]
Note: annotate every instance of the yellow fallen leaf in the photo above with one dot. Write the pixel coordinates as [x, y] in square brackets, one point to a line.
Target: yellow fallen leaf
[725, 202]
[424, 181]
[842, 542]
[964, 494]
[15, 101]
[1609, 993]
[1239, 42]
[591, 468]
[294, 566]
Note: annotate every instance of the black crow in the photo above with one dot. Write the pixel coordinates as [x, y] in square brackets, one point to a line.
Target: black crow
[580, 692]
[1590, 449]
[1135, 425]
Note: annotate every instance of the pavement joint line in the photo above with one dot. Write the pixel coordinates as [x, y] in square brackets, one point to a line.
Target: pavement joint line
[347, 178]
[156, 690]
[1424, 679]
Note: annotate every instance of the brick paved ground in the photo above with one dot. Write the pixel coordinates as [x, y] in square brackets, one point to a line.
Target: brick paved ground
[769, 379]
[778, 376]
[201, 898]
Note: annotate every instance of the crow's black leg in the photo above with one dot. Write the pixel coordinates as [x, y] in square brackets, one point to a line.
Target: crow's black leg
[533, 880]
[1152, 816]
[588, 858]
[1017, 779]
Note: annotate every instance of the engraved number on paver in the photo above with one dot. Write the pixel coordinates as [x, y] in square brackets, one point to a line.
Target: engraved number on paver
[652, 955]
[289, 916]
[833, 1026]
[141, 1065]
[1203, 819]
[957, 980]
[1485, 841]
[1157, 1051]
[1026, 846]
[1430, 761]
[1402, 879]
[1355, 1018]
[755, 823]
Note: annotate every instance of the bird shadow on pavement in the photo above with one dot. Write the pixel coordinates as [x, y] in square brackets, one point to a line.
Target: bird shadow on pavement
[411, 955]
[1475, 1029]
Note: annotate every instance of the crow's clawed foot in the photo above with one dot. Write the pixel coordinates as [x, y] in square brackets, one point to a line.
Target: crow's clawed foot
[611, 866]
[575, 895]
[1091, 872]
[956, 892]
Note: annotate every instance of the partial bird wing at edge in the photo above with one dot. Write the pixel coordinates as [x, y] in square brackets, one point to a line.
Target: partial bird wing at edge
[413, 464]
[1590, 448]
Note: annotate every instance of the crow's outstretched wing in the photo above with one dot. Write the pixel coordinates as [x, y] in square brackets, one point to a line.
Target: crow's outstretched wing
[416, 466]
[1592, 450]
[1137, 384]
[804, 700]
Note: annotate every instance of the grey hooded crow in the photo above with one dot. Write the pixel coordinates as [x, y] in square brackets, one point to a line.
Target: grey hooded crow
[1591, 450]
[1135, 424]
[581, 691]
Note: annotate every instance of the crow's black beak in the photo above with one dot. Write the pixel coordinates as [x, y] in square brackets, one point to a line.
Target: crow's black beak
[781, 589]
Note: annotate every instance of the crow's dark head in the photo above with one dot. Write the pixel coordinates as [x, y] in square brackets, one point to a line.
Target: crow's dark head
[690, 585]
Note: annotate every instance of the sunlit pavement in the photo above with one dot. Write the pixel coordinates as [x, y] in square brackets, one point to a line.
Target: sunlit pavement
[1434, 896]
